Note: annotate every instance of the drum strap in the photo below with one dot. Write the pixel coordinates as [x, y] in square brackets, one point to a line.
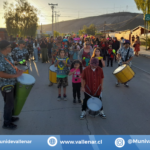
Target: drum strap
[7, 88]
[11, 64]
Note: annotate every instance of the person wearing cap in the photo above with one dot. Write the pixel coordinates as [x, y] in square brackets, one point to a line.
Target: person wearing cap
[8, 75]
[92, 83]
[124, 56]
[20, 53]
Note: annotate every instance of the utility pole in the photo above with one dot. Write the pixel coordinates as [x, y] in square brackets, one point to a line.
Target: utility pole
[53, 6]
[55, 20]
[58, 20]
[56, 15]
[127, 8]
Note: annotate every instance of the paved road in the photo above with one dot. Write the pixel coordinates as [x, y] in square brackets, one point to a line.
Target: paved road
[127, 109]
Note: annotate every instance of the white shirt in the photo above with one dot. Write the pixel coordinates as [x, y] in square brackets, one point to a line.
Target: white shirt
[36, 46]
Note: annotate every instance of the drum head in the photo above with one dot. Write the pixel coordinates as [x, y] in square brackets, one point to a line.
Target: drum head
[26, 79]
[53, 68]
[94, 104]
[22, 67]
[120, 68]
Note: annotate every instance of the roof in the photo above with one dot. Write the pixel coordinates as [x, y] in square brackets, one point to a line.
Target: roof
[139, 26]
[3, 29]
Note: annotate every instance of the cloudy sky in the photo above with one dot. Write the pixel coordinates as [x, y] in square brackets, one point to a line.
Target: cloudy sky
[73, 9]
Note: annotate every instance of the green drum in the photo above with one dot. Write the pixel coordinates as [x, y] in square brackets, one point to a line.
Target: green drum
[23, 87]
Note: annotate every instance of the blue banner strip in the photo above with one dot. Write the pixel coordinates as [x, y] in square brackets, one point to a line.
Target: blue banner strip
[75, 142]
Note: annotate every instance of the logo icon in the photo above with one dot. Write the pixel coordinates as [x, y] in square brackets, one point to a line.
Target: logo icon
[52, 141]
[119, 142]
[130, 141]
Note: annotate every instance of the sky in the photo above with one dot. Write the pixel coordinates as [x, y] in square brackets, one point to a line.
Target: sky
[74, 9]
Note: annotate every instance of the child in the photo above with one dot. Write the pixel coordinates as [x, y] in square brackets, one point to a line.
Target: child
[97, 54]
[76, 70]
[62, 63]
[110, 56]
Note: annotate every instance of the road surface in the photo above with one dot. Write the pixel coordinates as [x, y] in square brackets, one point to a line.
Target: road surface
[127, 109]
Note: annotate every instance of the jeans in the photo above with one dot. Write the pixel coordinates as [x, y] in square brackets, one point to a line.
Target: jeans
[84, 106]
[76, 90]
[9, 99]
[36, 54]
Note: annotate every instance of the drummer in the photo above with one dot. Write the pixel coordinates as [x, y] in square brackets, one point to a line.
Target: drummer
[8, 75]
[92, 83]
[20, 53]
[124, 56]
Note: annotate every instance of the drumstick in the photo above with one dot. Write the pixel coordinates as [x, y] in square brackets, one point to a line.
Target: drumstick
[89, 95]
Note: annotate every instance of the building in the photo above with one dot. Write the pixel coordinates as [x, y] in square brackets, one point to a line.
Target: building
[3, 34]
[139, 31]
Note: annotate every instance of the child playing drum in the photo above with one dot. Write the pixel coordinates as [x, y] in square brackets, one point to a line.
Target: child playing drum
[62, 63]
[76, 70]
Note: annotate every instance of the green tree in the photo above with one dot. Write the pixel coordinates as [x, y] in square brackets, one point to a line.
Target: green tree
[91, 30]
[56, 34]
[143, 5]
[21, 18]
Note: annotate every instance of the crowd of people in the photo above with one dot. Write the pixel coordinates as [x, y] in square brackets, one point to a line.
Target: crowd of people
[83, 58]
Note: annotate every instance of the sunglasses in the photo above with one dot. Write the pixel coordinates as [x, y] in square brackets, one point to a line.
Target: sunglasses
[87, 44]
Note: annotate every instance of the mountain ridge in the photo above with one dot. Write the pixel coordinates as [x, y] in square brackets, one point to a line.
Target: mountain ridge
[115, 21]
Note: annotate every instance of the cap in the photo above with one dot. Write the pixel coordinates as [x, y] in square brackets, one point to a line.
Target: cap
[127, 42]
[94, 61]
[4, 44]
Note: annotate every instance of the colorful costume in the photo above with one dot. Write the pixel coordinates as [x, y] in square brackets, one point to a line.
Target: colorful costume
[55, 51]
[62, 72]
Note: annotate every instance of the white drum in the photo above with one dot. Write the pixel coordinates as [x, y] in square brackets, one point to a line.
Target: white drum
[94, 105]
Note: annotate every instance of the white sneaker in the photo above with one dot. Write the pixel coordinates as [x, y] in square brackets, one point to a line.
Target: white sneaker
[126, 85]
[117, 84]
[83, 114]
[102, 115]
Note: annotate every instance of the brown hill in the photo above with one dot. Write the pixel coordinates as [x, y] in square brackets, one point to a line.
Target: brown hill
[115, 21]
